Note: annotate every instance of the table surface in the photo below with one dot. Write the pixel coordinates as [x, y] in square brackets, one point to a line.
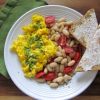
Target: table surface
[8, 91]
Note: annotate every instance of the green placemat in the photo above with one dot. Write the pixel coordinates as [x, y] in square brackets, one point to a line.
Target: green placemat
[8, 15]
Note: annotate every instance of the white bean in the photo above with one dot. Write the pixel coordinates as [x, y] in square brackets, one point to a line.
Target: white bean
[62, 19]
[60, 49]
[71, 44]
[71, 63]
[63, 53]
[68, 59]
[49, 68]
[56, 43]
[61, 28]
[52, 37]
[65, 32]
[57, 69]
[60, 74]
[61, 68]
[67, 78]
[57, 33]
[45, 71]
[59, 79]
[40, 80]
[61, 23]
[69, 22]
[55, 27]
[58, 54]
[53, 85]
[57, 36]
[64, 61]
[58, 59]
[53, 31]
[53, 65]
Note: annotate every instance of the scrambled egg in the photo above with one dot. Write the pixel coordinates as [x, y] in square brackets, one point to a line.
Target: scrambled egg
[34, 47]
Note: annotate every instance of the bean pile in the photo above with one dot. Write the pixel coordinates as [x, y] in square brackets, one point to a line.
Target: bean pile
[59, 69]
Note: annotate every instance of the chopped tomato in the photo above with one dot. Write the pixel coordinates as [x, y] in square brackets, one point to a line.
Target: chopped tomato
[49, 20]
[72, 54]
[40, 74]
[62, 40]
[77, 56]
[68, 50]
[50, 76]
[68, 70]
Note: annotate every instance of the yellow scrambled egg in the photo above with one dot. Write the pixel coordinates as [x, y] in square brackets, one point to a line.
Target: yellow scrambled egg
[34, 47]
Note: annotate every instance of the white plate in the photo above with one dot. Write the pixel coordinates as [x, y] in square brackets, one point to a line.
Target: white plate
[42, 91]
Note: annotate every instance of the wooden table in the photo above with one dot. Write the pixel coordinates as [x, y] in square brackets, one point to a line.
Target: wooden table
[8, 91]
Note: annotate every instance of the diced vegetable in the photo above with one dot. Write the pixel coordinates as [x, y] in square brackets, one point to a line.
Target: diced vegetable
[77, 56]
[49, 20]
[62, 40]
[50, 76]
[68, 70]
[40, 74]
[68, 50]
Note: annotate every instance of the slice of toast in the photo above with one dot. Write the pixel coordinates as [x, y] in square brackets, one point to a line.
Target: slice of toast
[91, 57]
[84, 29]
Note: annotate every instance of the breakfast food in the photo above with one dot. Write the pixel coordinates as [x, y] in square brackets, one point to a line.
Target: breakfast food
[84, 29]
[91, 57]
[86, 32]
[34, 47]
[47, 51]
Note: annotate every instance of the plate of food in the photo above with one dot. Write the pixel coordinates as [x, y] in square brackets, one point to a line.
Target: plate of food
[43, 49]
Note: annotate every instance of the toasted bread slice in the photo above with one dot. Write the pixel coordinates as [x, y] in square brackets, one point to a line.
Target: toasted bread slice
[91, 57]
[84, 29]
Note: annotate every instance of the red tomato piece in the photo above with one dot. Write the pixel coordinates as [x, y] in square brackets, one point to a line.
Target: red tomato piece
[72, 54]
[49, 20]
[68, 70]
[40, 74]
[68, 50]
[62, 40]
[50, 76]
[77, 56]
